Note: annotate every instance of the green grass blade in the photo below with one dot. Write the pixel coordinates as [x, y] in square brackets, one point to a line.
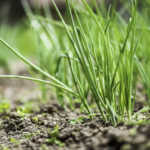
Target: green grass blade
[41, 81]
[31, 64]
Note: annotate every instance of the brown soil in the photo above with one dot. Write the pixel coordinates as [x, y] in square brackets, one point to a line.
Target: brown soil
[35, 131]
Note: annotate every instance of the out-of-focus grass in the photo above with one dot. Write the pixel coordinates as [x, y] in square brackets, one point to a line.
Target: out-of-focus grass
[20, 36]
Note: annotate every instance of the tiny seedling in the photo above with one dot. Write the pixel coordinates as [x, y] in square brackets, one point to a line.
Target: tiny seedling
[44, 147]
[54, 135]
[76, 121]
[4, 106]
[35, 119]
[16, 142]
[1, 122]
[29, 135]
[4, 148]
[21, 113]
[43, 114]
[133, 131]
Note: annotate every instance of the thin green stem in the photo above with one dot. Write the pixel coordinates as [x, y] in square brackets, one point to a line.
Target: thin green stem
[41, 81]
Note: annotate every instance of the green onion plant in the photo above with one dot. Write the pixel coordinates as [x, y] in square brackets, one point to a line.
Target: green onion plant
[88, 60]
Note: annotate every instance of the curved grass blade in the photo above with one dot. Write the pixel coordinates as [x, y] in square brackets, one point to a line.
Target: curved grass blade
[41, 81]
[32, 65]
[47, 20]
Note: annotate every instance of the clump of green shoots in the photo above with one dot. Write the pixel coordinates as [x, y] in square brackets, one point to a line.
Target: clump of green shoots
[96, 67]
[54, 135]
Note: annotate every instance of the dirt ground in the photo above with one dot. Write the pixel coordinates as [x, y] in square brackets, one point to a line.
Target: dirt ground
[52, 127]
